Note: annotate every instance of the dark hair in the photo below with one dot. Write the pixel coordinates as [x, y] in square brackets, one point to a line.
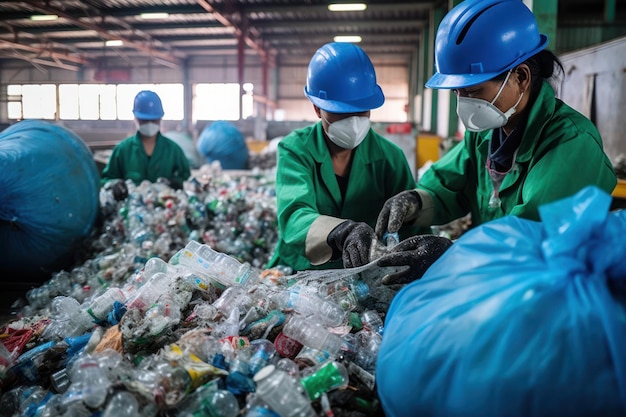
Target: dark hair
[544, 65]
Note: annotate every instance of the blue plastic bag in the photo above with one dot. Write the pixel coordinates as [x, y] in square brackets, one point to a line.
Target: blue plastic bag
[49, 198]
[222, 141]
[517, 318]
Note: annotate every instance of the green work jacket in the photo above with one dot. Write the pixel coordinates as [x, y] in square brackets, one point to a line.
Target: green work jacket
[309, 202]
[560, 153]
[130, 161]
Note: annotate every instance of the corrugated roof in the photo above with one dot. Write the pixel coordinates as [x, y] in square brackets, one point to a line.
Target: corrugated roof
[273, 29]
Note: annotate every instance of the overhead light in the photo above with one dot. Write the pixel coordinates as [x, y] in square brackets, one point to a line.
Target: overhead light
[115, 42]
[154, 16]
[351, 38]
[347, 7]
[44, 17]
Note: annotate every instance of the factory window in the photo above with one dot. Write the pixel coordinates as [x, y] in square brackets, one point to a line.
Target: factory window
[88, 101]
[221, 101]
[32, 101]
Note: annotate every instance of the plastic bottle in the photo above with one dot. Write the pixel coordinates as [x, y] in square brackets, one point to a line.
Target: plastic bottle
[367, 349]
[313, 335]
[224, 270]
[282, 393]
[308, 303]
[149, 292]
[89, 383]
[286, 346]
[289, 366]
[233, 297]
[122, 404]
[391, 240]
[103, 304]
[372, 321]
[153, 266]
[259, 411]
[218, 403]
[331, 375]
[262, 352]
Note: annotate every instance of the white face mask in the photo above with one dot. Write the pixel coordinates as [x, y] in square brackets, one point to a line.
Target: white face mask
[479, 115]
[148, 129]
[348, 133]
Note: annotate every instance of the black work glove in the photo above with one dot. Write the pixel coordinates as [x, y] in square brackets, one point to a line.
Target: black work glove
[119, 190]
[417, 254]
[397, 210]
[353, 241]
[173, 183]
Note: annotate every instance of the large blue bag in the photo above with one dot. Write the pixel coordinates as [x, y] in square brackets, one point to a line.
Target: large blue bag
[49, 187]
[222, 141]
[517, 318]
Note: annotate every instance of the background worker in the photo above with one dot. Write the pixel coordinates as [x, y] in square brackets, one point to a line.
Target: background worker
[333, 177]
[523, 147]
[147, 155]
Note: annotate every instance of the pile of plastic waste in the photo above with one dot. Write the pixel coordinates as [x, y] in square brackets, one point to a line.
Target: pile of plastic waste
[172, 313]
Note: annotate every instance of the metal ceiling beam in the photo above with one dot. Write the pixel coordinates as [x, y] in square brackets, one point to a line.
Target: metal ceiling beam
[53, 54]
[239, 31]
[323, 8]
[295, 25]
[104, 33]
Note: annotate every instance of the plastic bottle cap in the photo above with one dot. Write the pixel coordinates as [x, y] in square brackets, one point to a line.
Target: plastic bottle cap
[264, 373]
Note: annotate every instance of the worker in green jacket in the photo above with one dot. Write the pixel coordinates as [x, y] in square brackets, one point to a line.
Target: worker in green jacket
[147, 155]
[333, 177]
[522, 148]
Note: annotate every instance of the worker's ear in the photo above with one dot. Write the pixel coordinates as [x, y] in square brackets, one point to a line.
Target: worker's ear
[523, 76]
[317, 111]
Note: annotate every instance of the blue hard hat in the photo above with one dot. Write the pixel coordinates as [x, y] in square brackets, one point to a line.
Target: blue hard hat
[341, 79]
[148, 106]
[480, 39]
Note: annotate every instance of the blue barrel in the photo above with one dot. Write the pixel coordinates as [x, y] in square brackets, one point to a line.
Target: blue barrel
[49, 198]
[222, 141]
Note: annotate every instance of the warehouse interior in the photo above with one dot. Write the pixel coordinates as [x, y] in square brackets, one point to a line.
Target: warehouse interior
[76, 65]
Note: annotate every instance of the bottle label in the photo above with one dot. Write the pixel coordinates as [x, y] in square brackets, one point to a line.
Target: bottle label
[286, 346]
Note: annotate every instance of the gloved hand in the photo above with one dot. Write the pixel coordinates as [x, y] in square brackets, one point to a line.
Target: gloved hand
[173, 183]
[353, 241]
[416, 254]
[397, 210]
[119, 190]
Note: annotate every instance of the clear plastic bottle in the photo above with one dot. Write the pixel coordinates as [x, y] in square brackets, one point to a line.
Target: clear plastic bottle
[103, 304]
[310, 304]
[122, 404]
[89, 383]
[224, 270]
[260, 411]
[313, 335]
[233, 297]
[372, 321]
[262, 352]
[367, 349]
[149, 292]
[282, 393]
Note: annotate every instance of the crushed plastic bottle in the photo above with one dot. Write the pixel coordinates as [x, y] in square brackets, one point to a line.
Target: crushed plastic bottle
[313, 335]
[282, 393]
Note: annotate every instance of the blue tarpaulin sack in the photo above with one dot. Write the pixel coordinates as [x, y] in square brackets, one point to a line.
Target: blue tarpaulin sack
[49, 198]
[222, 141]
[517, 318]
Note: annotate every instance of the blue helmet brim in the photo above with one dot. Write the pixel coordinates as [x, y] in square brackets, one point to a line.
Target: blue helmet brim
[451, 81]
[357, 106]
